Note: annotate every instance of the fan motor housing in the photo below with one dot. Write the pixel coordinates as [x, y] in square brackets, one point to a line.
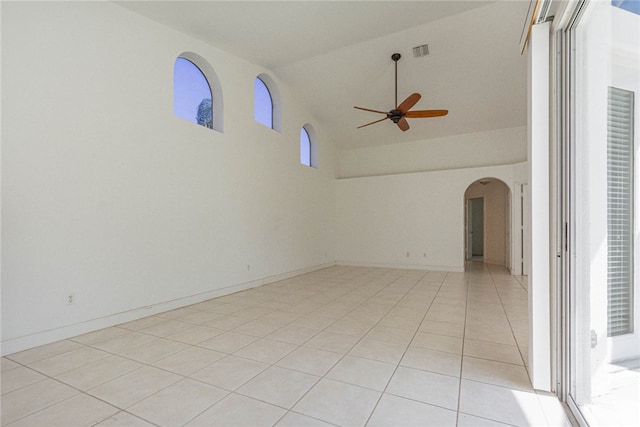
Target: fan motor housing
[395, 115]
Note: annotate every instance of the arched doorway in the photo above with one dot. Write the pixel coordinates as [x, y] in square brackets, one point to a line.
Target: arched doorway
[487, 232]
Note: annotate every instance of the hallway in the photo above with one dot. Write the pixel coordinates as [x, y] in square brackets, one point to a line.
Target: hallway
[346, 346]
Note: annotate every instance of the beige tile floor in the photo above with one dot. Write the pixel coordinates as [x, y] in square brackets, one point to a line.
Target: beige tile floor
[346, 346]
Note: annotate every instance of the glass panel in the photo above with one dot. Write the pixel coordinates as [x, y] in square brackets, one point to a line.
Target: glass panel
[630, 5]
[604, 354]
[191, 94]
[305, 147]
[263, 104]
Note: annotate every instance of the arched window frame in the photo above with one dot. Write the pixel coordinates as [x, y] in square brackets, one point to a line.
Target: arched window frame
[214, 86]
[305, 147]
[313, 145]
[276, 107]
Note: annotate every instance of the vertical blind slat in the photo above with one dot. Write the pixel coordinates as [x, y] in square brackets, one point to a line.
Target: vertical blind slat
[619, 209]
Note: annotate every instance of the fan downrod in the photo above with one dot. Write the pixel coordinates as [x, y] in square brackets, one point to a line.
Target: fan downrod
[396, 57]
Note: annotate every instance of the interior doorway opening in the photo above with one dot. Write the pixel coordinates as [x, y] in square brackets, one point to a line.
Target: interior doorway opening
[487, 205]
[475, 229]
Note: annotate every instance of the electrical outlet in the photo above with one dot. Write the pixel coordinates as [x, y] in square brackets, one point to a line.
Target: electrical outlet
[408, 254]
[71, 299]
[248, 267]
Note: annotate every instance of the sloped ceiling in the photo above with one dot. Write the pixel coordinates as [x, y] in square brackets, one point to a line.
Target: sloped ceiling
[337, 54]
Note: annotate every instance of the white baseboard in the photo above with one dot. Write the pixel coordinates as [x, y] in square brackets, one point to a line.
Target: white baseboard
[455, 269]
[26, 342]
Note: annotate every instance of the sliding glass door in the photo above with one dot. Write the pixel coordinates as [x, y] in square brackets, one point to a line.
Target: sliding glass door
[602, 352]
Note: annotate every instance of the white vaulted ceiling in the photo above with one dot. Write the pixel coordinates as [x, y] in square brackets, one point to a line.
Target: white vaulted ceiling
[337, 54]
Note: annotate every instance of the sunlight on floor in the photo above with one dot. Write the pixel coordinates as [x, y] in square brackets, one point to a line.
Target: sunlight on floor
[621, 406]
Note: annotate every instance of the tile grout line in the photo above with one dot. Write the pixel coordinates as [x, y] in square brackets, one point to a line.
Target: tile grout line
[376, 324]
[302, 345]
[347, 352]
[464, 332]
[510, 325]
[287, 410]
[79, 392]
[384, 390]
[235, 391]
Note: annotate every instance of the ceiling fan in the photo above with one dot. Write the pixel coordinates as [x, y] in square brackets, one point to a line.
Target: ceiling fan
[401, 113]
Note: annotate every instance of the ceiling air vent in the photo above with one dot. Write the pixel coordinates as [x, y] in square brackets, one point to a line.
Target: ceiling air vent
[420, 51]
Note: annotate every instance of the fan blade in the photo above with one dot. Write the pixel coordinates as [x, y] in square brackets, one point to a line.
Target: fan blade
[375, 121]
[403, 124]
[426, 113]
[373, 111]
[409, 102]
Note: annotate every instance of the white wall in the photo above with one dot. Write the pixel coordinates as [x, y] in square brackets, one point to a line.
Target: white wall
[491, 148]
[108, 196]
[381, 219]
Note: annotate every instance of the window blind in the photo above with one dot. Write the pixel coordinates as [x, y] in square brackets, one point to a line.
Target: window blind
[620, 211]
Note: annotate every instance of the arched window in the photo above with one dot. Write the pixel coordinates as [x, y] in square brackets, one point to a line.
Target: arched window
[308, 146]
[305, 147]
[266, 102]
[197, 95]
[263, 104]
